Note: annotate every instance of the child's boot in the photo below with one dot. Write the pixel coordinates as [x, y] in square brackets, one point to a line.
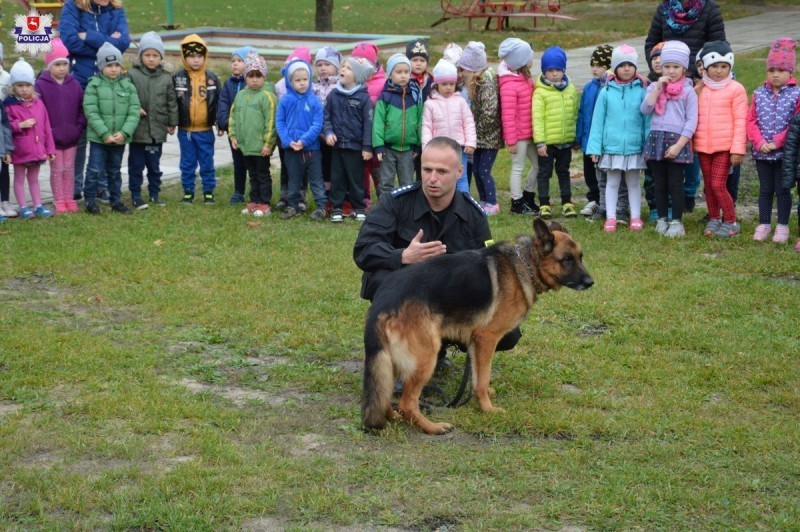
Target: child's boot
[530, 200]
[61, 207]
[781, 234]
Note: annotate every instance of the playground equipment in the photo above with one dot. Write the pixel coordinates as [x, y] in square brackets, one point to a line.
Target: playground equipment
[501, 11]
[43, 7]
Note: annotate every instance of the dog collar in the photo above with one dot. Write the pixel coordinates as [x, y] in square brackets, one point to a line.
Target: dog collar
[536, 287]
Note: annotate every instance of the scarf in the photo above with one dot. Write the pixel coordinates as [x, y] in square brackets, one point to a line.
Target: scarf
[672, 91]
[561, 85]
[710, 83]
[341, 89]
[680, 15]
[412, 88]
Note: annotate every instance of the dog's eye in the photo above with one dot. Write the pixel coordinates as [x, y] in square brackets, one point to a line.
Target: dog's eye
[567, 259]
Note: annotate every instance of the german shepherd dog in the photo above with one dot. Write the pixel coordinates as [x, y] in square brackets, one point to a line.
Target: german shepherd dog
[472, 297]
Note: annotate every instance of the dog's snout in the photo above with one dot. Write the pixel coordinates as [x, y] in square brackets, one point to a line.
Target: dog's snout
[587, 281]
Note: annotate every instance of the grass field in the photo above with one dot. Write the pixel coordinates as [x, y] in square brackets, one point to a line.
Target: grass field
[190, 368]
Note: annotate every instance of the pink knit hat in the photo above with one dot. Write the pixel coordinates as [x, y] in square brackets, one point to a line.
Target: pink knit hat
[58, 53]
[368, 51]
[301, 52]
[781, 54]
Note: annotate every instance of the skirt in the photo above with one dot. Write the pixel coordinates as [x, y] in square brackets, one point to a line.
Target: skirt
[622, 162]
[658, 142]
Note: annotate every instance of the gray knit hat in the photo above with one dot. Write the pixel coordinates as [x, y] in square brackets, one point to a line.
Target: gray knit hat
[515, 52]
[150, 41]
[362, 69]
[329, 54]
[107, 55]
[473, 58]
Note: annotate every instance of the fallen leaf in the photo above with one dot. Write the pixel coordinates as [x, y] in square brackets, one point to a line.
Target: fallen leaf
[254, 224]
[158, 243]
[98, 298]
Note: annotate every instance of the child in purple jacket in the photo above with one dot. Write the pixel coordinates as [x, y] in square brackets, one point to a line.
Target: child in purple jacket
[62, 95]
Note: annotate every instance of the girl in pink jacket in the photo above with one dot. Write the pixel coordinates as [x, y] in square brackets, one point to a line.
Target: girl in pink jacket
[516, 102]
[721, 136]
[447, 114]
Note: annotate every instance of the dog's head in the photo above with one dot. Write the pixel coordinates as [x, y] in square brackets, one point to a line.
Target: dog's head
[560, 257]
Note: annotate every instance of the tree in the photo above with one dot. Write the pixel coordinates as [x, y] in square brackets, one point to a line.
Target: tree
[324, 17]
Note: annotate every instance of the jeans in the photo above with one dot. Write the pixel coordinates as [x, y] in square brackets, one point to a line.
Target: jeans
[462, 185]
[104, 160]
[300, 165]
[691, 178]
[141, 156]
[197, 149]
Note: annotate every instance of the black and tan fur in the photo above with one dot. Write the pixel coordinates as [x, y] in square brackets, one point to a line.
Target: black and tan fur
[472, 297]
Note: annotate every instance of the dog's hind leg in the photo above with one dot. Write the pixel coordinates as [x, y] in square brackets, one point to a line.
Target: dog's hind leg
[482, 353]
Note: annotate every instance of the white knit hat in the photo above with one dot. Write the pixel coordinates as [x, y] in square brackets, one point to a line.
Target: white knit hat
[22, 72]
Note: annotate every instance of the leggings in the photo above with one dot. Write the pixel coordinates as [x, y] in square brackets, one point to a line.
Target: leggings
[482, 162]
[769, 178]
[31, 173]
[715, 168]
[62, 175]
[525, 149]
[634, 192]
[668, 183]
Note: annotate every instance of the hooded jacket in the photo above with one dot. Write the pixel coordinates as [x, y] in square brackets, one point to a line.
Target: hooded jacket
[448, 117]
[299, 116]
[64, 104]
[555, 113]
[586, 109]
[349, 116]
[252, 120]
[31, 144]
[618, 125]
[398, 117]
[198, 93]
[157, 97]
[516, 100]
[111, 105]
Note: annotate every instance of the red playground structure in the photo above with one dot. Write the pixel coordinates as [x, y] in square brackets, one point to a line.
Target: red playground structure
[501, 11]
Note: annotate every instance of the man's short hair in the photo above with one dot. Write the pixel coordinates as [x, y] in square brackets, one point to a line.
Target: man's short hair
[442, 142]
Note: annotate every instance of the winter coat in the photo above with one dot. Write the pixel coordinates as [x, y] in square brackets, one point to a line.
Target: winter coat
[791, 154]
[485, 107]
[6, 138]
[516, 101]
[398, 117]
[618, 125]
[769, 117]
[586, 109]
[64, 103]
[252, 120]
[198, 93]
[157, 97]
[228, 93]
[98, 25]
[721, 120]
[425, 85]
[111, 105]
[555, 113]
[31, 144]
[349, 117]
[375, 85]
[448, 117]
[5, 83]
[299, 117]
[708, 27]
[680, 115]
[323, 87]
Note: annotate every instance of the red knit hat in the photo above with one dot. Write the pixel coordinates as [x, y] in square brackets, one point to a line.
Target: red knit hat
[782, 55]
[368, 51]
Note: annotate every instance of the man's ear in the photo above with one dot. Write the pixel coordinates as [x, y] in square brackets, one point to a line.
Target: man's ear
[542, 236]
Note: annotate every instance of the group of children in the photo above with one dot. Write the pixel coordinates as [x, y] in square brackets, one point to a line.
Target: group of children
[342, 125]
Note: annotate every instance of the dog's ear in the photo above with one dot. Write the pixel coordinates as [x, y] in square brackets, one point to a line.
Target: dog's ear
[556, 226]
[543, 236]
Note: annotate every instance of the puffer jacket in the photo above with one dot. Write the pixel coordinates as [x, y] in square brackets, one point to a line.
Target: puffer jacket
[791, 154]
[721, 120]
[157, 97]
[299, 117]
[252, 120]
[110, 105]
[349, 115]
[448, 117]
[516, 100]
[31, 144]
[769, 117]
[64, 104]
[375, 85]
[485, 107]
[618, 125]
[398, 118]
[555, 113]
[586, 109]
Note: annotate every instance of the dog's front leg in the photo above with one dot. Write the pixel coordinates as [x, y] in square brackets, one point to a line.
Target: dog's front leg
[482, 352]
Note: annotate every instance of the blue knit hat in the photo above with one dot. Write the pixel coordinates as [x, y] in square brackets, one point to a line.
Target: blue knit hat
[554, 57]
[242, 52]
[395, 60]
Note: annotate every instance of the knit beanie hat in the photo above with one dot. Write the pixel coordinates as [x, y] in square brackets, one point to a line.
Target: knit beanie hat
[396, 59]
[675, 52]
[602, 56]
[150, 41]
[417, 48]
[474, 57]
[445, 72]
[193, 44]
[57, 54]
[362, 69]
[515, 52]
[554, 57]
[329, 54]
[108, 55]
[301, 52]
[22, 72]
[716, 52]
[782, 54]
[294, 66]
[368, 51]
[624, 54]
[242, 52]
[254, 63]
[452, 53]
[656, 50]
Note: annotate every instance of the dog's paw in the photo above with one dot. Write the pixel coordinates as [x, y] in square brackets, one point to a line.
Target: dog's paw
[439, 428]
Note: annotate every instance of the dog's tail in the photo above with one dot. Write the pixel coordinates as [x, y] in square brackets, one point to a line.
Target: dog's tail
[376, 398]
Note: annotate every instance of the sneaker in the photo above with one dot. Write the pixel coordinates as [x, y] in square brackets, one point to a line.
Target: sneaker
[236, 199]
[797, 246]
[336, 216]
[102, 196]
[568, 210]
[688, 204]
[301, 207]
[491, 209]
[43, 211]
[661, 226]
[121, 208]
[3, 219]
[597, 217]
[590, 208]
[26, 213]
[8, 210]
[188, 196]
[610, 225]
[727, 230]
[675, 230]
[361, 216]
[653, 215]
[518, 206]
[158, 201]
[762, 232]
[72, 206]
[92, 208]
[60, 207]
[545, 212]
[781, 234]
[289, 212]
[712, 227]
[282, 204]
[77, 196]
[623, 218]
[318, 215]
[208, 198]
[261, 209]
[637, 224]
[249, 208]
[139, 204]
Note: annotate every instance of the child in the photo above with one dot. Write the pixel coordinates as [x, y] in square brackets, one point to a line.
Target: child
[348, 131]
[516, 97]
[396, 127]
[649, 187]
[158, 118]
[230, 89]
[299, 123]
[452, 53]
[599, 63]
[62, 95]
[773, 105]
[481, 88]
[6, 209]
[417, 53]
[447, 114]
[112, 109]
[198, 92]
[32, 138]
[555, 113]
[721, 136]
[791, 168]
[251, 131]
[326, 65]
[375, 85]
[616, 140]
[672, 104]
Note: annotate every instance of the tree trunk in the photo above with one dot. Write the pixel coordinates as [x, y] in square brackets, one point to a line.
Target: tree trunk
[324, 18]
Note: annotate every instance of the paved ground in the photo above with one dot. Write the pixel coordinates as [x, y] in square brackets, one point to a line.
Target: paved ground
[743, 34]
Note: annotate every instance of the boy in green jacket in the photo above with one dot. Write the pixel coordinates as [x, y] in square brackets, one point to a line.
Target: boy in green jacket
[251, 129]
[111, 106]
